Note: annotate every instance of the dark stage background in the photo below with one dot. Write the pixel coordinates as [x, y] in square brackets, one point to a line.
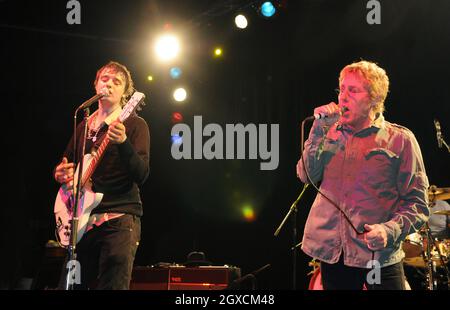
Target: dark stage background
[274, 72]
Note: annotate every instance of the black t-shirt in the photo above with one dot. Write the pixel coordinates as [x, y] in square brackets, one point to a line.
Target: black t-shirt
[121, 169]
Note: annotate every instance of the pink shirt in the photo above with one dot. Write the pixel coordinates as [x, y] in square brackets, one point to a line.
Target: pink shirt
[376, 176]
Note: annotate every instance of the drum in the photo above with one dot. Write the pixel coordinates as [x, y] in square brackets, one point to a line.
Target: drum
[419, 261]
[444, 247]
[413, 245]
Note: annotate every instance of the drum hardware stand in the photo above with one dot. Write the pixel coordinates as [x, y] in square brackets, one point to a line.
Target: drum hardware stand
[431, 265]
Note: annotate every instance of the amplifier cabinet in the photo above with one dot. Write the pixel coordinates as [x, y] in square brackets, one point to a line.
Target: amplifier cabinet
[183, 278]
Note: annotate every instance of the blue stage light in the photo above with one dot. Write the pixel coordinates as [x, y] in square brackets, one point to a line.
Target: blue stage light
[268, 9]
[176, 139]
[175, 72]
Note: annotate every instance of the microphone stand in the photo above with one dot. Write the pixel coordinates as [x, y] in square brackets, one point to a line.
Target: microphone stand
[293, 209]
[440, 136]
[75, 268]
[251, 276]
[445, 144]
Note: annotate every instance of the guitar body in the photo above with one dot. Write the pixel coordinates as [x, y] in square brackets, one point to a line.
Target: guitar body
[64, 207]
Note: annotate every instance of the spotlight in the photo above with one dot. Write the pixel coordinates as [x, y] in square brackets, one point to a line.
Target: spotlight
[150, 78]
[168, 27]
[218, 52]
[241, 21]
[176, 139]
[248, 213]
[167, 47]
[268, 9]
[175, 72]
[180, 94]
[177, 117]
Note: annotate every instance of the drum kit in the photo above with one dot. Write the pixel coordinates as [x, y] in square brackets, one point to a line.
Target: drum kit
[427, 255]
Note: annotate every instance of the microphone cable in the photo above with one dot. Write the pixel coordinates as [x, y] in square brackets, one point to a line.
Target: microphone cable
[333, 203]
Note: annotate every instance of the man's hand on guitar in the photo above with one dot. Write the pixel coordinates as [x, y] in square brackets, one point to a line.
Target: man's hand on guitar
[64, 172]
[116, 133]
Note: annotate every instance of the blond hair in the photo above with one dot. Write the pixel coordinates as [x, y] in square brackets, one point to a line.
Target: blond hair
[377, 81]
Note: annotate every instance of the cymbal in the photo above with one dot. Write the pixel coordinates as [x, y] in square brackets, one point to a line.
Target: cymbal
[420, 262]
[442, 212]
[438, 193]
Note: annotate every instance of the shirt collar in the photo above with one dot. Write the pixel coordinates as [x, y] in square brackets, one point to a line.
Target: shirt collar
[109, 119]
[377, 123]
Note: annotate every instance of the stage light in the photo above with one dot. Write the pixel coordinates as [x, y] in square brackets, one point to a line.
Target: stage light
[167, 47]
[241, 21]
[268, 9]
[177, 117]
[168, 27]
[150, 78]
[180, 94]
[175, 73]
[176, 139]
[248, 213]
[218, 52]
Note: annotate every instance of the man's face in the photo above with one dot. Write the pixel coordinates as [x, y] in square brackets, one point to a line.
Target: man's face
[114, 82]
[354, 97]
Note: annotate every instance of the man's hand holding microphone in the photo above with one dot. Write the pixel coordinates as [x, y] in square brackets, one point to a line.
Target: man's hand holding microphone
[327, 114]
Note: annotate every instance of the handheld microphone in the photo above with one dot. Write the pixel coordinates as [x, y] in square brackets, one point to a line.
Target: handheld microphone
[325, 115]
[437, 125]
[103, 92]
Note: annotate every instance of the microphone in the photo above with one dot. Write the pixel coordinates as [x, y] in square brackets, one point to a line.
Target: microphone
[325, 115]
[437, 125]
[103, 92]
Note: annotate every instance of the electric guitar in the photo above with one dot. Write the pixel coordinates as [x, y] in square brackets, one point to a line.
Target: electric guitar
[88, 199]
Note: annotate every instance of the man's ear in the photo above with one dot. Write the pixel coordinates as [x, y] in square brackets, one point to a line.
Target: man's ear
[373, 104]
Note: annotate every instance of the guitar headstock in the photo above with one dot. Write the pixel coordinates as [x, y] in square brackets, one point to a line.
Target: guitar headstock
[135, 103]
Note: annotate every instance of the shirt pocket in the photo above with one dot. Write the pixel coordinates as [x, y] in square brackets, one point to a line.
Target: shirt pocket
[379, 169]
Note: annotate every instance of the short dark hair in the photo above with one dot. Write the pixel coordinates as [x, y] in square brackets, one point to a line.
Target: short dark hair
[118, 67]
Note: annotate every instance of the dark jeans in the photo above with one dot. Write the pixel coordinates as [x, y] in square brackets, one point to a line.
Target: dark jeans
[340, 277]
[106, 253]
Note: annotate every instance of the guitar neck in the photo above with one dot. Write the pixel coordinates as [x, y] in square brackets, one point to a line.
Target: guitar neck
[128, 109]
[97, 156]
